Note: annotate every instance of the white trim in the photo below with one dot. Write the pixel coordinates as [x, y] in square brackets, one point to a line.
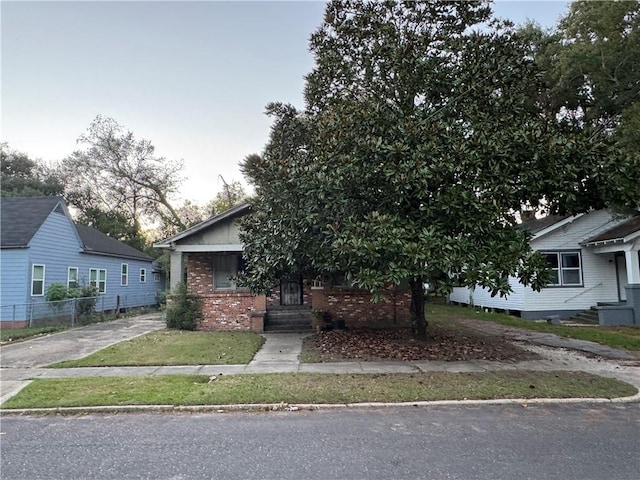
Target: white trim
[77, 280]
[33, 266]
[143, 275]
[555, 226]
[231, 247]
[124, 276]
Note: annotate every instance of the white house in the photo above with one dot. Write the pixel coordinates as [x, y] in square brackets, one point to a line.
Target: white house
[595, 260]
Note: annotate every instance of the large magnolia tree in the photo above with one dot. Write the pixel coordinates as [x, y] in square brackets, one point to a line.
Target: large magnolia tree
[422, 137]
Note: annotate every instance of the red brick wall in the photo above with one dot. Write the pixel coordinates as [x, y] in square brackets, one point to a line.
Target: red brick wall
[354, 306]
[223, 309]
[226, 311]
[231, 310]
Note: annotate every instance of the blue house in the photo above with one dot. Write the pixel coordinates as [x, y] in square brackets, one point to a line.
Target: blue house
[41, 245]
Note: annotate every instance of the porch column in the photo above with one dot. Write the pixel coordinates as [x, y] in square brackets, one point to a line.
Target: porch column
[176, 270]
[632, 261]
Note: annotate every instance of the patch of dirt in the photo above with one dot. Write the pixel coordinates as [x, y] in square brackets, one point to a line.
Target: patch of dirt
[445, 344]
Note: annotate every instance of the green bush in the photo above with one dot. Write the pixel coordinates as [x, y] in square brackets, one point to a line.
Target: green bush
[183, 310]
[56, 292]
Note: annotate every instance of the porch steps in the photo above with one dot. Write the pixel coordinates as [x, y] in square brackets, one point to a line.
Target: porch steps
[288, 319]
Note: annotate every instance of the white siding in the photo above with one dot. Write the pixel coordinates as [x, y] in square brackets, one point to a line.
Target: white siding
[598, 273]
[482, 297]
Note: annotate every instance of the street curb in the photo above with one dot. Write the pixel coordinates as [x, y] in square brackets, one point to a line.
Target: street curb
[273, 407]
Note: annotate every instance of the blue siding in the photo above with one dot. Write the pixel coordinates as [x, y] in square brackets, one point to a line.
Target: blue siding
[57, 246]
[14, 263]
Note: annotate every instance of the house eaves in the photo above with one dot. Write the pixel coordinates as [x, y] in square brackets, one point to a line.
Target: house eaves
[555, 226]
[231, 213]
[626, 232]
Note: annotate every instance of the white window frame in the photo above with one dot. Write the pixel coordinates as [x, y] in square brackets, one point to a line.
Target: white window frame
[143, 275]
[561, 269]
[156, 277]
[98, 283]
[77, 277]
[124, 274]
[34, 279]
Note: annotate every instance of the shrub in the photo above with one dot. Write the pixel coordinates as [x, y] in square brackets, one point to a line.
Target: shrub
[183, 309]
[57, 292]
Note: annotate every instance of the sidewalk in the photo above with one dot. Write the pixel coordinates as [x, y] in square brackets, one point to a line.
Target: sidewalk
[280, 354]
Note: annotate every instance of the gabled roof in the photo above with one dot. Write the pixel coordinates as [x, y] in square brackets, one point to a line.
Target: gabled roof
[231, 213]
[620, 233]
[538, 224]
[98, 243]
[22, 217]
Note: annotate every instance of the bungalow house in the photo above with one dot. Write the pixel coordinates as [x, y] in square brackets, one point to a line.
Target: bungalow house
[41, 245]
[595, 262]
[208, 255]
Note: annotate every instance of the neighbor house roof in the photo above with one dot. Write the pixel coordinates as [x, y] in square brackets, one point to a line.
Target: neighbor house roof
[231, 213]
[22, 217]
[538, 224]
[98, 243]
[619, 233]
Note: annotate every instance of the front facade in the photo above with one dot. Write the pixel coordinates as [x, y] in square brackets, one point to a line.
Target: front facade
[41, 245]
[592, 266]
[208, 255]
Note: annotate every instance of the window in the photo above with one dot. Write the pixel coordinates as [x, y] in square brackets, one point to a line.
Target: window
[566, 268]
[339, 279]
[225, 267]
[72, 277]
[143, 275]
[156, 276]
[98, 279]
[124, 275]
[37, 280]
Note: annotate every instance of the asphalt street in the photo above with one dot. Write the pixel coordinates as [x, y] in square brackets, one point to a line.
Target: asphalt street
[579, 442]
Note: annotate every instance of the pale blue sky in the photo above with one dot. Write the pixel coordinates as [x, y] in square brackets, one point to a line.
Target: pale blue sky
[191, 77]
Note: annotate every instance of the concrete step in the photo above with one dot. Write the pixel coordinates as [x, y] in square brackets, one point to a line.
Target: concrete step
[288, 319]
[589, 317]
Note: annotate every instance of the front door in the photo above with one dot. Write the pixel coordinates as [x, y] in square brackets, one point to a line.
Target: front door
[291, 291]
[621, 272]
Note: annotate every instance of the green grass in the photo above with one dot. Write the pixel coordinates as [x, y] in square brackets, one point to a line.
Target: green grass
[616, 337]
[15, 334]
[175, 347]
[312, 388]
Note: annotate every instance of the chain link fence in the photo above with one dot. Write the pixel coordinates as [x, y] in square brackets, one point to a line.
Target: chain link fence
[71, 312]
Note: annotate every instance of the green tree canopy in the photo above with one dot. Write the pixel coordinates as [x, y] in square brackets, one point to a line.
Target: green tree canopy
[423, 135]
[23, 177]
[118, 178]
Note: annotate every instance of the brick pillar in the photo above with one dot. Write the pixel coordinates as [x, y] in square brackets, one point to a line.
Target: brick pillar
[258, 313]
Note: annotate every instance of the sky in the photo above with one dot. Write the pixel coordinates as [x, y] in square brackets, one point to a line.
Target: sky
[191, 77]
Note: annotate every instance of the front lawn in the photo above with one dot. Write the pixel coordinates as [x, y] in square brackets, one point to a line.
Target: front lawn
[8, 335]
[616, 337]
[175, 347]
[313, 388]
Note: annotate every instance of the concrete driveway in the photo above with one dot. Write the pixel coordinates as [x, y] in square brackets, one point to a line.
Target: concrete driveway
[76, 343]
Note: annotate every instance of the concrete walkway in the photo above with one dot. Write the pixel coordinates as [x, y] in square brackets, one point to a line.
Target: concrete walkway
[280, 354]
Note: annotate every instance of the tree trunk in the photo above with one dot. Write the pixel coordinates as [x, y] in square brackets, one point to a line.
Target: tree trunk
[418, 321]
